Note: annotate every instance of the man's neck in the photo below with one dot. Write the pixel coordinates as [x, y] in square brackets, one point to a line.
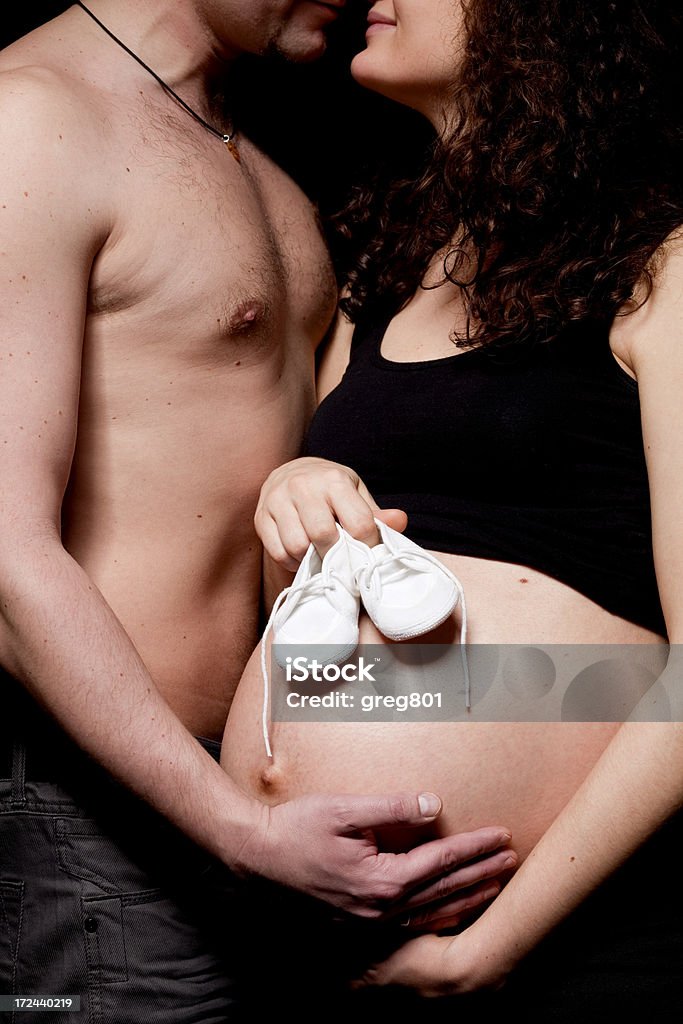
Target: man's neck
[171, 38]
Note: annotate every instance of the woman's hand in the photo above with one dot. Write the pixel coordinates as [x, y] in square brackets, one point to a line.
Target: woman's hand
[302, 501]
[435, 966]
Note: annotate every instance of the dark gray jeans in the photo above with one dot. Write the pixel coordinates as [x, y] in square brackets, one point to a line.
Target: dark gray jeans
[99, 896]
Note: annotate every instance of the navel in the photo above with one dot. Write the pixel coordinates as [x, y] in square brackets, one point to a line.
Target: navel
[270, 779]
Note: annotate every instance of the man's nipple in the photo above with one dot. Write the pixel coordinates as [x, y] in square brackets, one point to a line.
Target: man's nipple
[246, 315]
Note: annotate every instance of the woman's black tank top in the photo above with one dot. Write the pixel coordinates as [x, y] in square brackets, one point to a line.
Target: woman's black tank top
[534, 458]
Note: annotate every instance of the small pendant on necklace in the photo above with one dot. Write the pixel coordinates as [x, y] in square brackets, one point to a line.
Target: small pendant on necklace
[232, 147]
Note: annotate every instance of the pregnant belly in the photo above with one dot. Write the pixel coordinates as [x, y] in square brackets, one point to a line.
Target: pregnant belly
[518, 774]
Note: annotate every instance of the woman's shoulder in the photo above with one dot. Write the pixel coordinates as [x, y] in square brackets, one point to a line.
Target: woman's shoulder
[649, 328]
[346, 338]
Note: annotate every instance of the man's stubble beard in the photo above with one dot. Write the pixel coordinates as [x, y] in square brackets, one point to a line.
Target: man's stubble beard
[277, 49]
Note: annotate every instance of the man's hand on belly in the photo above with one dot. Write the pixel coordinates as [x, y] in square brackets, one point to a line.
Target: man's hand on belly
[326, 846]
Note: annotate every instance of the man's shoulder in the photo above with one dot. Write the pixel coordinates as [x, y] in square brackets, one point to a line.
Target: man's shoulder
[52, 142]
[36, 96]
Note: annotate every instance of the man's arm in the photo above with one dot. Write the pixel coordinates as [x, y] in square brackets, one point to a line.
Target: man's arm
[57, 633]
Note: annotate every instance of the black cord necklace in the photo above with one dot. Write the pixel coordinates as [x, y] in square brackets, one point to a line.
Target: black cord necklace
[228, 139]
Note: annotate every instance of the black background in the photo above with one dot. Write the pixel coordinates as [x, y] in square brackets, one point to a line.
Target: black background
[326, 131]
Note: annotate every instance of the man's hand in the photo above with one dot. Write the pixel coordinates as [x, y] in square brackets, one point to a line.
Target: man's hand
[302, 502]
[326, 847]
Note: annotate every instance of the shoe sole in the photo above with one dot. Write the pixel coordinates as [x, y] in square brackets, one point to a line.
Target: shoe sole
[421, 628]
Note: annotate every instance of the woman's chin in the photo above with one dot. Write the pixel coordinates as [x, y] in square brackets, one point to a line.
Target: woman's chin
[371, 74]
[361, 67]
[367, 73]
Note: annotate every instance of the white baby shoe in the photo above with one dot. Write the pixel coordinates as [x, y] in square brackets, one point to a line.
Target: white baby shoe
[320, 608]
[316, 616]
[406, 591]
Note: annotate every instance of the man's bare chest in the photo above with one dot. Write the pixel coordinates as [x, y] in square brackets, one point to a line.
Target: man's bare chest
[213, 249]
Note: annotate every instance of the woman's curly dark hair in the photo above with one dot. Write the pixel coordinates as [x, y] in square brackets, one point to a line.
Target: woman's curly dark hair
[561, 176]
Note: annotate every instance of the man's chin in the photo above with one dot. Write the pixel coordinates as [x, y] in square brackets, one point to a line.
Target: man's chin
[303, 51]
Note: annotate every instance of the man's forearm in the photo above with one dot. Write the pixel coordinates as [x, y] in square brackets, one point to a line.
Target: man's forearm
[63, 641]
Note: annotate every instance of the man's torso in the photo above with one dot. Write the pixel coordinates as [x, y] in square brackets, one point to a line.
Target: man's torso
[206, 302]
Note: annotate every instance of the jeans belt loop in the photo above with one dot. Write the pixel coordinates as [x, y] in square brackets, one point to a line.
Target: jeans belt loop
[18, 797]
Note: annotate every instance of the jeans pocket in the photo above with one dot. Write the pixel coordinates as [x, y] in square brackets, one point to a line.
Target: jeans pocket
[86, 853]
[126, 934]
